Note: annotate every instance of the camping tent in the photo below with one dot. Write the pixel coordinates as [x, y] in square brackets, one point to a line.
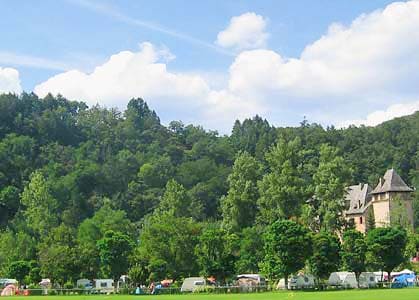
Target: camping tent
[192, 283]
[9, 290]
[343, 279]
[367, 280]
[403, 280]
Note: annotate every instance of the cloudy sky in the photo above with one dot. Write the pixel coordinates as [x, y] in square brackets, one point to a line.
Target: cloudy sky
[211, 62]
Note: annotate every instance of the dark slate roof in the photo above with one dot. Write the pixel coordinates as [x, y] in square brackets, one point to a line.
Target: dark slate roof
[391, 182]
[359, 198]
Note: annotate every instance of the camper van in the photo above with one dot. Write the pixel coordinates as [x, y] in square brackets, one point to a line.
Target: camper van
[343, 279]
[250, 280]
[7, 281]
[85, 284]
[104, 286]
[301, 281]
[191, 284]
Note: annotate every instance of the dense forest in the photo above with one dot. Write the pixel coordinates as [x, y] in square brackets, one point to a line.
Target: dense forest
[94, 192]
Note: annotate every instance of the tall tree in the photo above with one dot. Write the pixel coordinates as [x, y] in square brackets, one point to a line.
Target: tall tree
[239, 207]
[114, 250]
[282, 189]
[216, 252]
[167, 243]
[386, 247]
[40, 205]
[354, 251]
[287, 247]
[177, 202]
[326, 256]
[330, 181]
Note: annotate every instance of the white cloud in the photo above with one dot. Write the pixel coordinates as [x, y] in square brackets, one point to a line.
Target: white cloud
[144, 74]
[126, 75]
[380, 116]
[247, 31]
[378, 50]
[9, 81]
[349, 72]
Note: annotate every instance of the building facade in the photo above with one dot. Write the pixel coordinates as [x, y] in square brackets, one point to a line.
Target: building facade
[389, 203]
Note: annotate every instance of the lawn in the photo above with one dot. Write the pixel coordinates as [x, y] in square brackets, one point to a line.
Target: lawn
[404, 294]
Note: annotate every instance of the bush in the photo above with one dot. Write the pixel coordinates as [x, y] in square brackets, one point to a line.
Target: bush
[68, 285]
[208, 289]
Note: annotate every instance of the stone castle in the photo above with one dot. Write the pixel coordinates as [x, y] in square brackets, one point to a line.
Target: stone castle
[382, 206]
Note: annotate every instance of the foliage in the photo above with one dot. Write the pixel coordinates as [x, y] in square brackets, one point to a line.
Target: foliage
[216, 252]
[239, 206]
[330, 180]
[287, 247]
[326, 255]
[386, 246]
[354, 249]
[114, 250]
[69, 173]
[282, 190]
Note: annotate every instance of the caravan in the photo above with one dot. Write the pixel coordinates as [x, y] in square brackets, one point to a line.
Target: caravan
[367, 280]
[191, 284]
[104, 286]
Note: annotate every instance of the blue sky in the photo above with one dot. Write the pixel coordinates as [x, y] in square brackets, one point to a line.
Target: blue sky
[47, 38]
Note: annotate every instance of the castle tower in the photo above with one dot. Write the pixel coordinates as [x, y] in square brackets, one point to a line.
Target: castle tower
[392, 198]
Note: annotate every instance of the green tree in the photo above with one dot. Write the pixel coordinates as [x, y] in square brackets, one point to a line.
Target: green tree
[216, 252]
[40, 205]
[177, 202]
[330, 181]
[239, 207]
[114, 250]
[326, 256]
[251, 250]
[287, 247]
[19, 270]
[57, 255]
[167, 243]
[282, 189]
[386, 247]
[354, 250]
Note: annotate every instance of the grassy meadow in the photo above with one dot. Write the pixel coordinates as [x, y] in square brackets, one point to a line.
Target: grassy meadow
[387, 294]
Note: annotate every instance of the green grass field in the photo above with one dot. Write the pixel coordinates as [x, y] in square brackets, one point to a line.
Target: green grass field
[402, 294]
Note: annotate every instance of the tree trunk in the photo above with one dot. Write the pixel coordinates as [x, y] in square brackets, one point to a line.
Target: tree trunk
[389, 276]
[357, 274]
[286, 281]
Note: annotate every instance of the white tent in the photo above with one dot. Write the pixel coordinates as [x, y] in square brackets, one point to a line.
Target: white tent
[343, 279]
[192, 283]
[367, 280]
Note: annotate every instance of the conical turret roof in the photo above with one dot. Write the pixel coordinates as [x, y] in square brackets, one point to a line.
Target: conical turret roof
[391, 182]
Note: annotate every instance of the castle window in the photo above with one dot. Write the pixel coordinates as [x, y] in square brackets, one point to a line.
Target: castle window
[360, 220]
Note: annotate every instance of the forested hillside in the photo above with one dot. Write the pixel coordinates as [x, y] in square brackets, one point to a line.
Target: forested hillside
[173, 200]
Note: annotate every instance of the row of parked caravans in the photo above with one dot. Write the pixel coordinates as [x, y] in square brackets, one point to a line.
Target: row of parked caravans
[348, 280]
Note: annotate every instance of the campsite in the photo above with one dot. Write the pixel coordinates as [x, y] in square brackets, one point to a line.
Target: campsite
[404, 294]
